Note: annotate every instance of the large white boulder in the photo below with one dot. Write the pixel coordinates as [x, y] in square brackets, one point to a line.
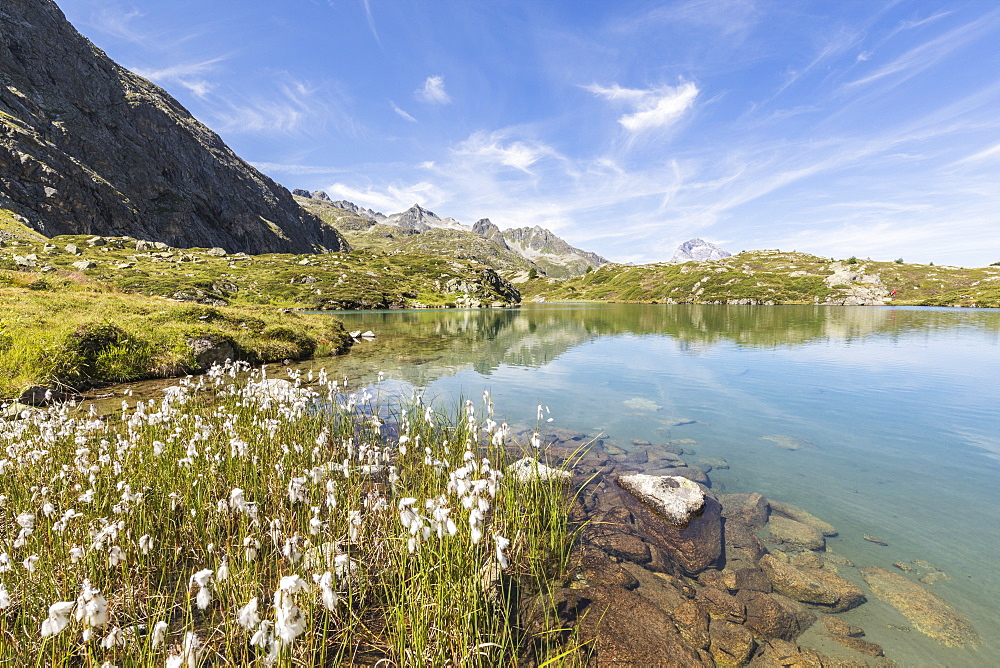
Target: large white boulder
[677, 499]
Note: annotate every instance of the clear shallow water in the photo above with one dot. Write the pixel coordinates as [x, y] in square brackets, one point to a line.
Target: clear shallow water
[901, 407]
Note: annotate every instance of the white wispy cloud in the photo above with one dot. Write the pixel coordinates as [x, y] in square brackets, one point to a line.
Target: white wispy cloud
[295, 169]
[732, 18]
[655, 108]
[118, 22]
[371, 21]
[433, 92]
[189, 75]
[402, 114]
[931, 52]
[289, 107]
[494, 149]
[986, 154]
[391, 198]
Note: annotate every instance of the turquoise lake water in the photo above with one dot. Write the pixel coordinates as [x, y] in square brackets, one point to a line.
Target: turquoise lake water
[897, 411]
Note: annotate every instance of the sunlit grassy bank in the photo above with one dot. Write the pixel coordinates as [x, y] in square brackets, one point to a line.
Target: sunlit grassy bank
[245, 519]
[70, 332]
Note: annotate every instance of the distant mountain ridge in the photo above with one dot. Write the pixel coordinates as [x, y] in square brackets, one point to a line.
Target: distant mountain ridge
[545, 251]
[88, 147]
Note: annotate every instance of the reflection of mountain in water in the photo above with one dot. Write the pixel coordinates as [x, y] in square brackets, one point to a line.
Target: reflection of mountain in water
[420, 346]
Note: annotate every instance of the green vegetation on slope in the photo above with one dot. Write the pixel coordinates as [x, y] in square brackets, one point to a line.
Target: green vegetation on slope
[357, 280]
[775, 277]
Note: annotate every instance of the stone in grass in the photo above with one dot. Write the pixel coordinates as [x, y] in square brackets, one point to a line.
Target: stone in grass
[528, 469]
[83, 265]
[676, 498]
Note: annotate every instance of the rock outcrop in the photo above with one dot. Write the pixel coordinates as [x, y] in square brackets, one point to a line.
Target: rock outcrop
[861, 289]
[698, 250]
[88, 147]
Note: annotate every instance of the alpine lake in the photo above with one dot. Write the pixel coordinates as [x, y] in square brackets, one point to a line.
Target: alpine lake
[883, 421]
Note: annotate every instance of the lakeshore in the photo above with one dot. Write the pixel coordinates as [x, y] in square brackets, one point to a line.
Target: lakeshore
[796, 459]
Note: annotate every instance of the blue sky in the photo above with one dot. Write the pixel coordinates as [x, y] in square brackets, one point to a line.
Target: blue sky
[842, 128]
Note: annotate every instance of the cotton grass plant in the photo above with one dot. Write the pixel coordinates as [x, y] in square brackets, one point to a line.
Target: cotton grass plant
[246, 520]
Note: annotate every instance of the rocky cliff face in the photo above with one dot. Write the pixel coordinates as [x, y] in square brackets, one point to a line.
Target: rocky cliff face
[698, 250]
[87, 147]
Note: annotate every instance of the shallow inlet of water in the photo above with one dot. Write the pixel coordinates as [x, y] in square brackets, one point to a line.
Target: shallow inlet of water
[896, 412]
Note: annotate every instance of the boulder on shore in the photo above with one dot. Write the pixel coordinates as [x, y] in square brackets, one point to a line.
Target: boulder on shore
[677, 499]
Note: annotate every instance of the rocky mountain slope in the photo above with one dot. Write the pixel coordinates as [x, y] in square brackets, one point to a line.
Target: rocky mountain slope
[698, 250]
[776, 277]
[514, 251]
[556, 257]
[88, 147]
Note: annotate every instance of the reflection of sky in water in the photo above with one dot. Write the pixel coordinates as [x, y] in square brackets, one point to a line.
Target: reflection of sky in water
[901, 404]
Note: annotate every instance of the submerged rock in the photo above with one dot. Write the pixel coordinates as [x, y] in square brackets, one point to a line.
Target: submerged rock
[812, 585]
[641, 404]
[796, 533]
[732, 644]
[925, 610]
[838, 627]
[803, 516]
[788, 442]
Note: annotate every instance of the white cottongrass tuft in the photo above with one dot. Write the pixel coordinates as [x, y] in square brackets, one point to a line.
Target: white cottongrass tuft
[58, 618]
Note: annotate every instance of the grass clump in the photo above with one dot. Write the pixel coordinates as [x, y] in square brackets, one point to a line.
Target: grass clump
[246, 519]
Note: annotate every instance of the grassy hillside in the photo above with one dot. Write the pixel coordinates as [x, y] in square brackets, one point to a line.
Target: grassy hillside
[776, 277]
[361, 279]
